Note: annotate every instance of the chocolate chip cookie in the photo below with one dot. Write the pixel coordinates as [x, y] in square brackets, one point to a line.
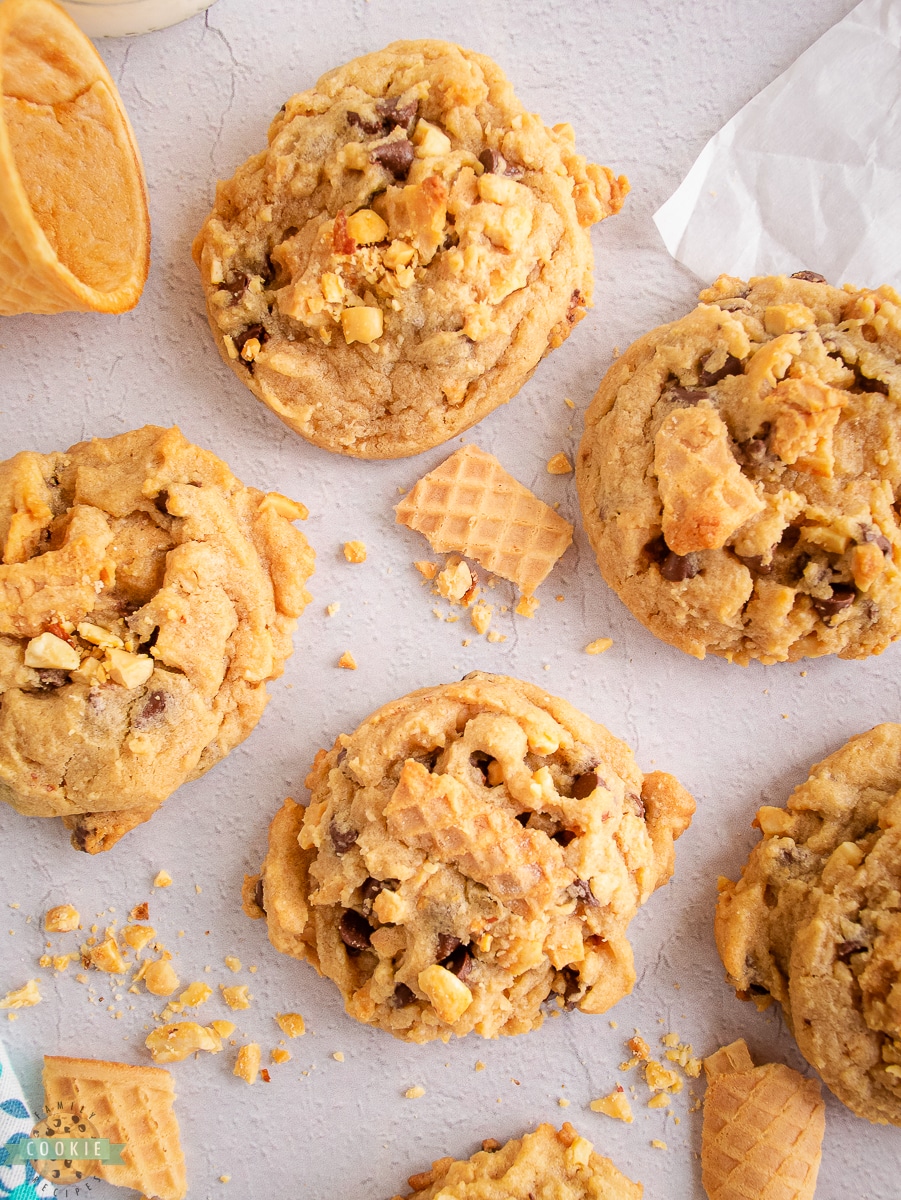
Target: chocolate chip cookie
[547, 1162]
[815, 921]
[471, 853]
[146, 598]
[398, 260]
[740, 472]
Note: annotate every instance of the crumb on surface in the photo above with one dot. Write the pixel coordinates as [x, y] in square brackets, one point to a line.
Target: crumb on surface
[27, 996]
[247, 1063]
[163, 879]
[559, 465]
[414, 1093]
[480, 616]
[355, 552]
[456, 582]
[616, 1105]
[427, 569]
[61, 919]
[658, 1145]
[225, 1178]
[232, 962]
[563, 1102]
[480, 1066]
[331, 609]
[291, 1024]
[338, 1056]
[660, 1078]
[599, 645]
[569, 403]
[278, 1055]
[347, 661]
[494, 636]
[528, 606]
[236, 997]
[223, 1029]
[140, 912]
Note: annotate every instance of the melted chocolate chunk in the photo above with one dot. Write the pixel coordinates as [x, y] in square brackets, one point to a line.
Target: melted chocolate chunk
[252, 331]
[678, 567]
[580, 889]
[493, 162]
[657, 549]
[369, 890]
[389, 114]
[872, 534]
[236, 283]
[842, 597]
[258, 895]
[403, 996]
[584, 785]
[354, 930]
[844, 950]
[637, 803]
[459, 963]
[51, 677]
[447, 944]
[732, 366]
[872, 385]
[810, 276]
[790, 537]
[342, 839]
[687, 397]
[395, 157]
[154, 705]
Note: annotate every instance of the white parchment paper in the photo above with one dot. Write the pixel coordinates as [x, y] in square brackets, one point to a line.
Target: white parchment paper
[808, 174]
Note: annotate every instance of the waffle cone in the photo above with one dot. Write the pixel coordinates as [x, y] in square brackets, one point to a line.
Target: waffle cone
[763, 1130]
[74, 227]
[470, 504]
[130, 1105]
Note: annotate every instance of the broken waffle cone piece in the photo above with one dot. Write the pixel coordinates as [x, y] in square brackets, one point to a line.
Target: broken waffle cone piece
[472, 505]
[128, 1105]
[74, 227]
[763, 1129]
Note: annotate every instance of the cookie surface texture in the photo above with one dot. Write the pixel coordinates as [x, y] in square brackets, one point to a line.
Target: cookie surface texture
[548, 1162]
[815, 921]
[471, 852]
[146, 598]
[740, 472]
[398, 260]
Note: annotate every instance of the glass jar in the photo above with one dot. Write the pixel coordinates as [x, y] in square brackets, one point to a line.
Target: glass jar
[120, 18]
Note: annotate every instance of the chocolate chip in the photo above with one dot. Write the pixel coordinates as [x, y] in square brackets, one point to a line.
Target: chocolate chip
[354, 930]
[403, 996]
[584, 785]
[148, 645]
[637, 803]
[389, 114]
[871, 534]
[563, 837]
[732, 366]
[396, 157]
[842, 597]
[258, 895]
[790, 537]
[656, 549]
[252, 331]
[154, 705]
[480, 760]
[459, 963]
[580, 889]
[754, 451]
[685, 396]
[810, 276]
[754, 562]
[369, 125]
[524, 818]
[236, 283]
[447, 944]
[872, 385]
[51, 677]
[493, 162]
[678, 567]
[342, 839]
[844, 950]
[79, 837]
[369, 890]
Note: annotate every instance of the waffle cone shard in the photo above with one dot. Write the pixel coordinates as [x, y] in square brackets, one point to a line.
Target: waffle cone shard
[131, 1105]
[472, 505]
[763, 1130]
[74, 226]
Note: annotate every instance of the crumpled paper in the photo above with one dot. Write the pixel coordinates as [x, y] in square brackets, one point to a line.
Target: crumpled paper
[807, 176]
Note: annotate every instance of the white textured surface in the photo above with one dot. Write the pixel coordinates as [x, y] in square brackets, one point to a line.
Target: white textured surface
[645, 87]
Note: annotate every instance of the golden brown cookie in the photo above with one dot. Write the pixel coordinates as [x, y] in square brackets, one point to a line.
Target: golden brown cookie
[398, 260]
[547, 1162]
[471, 852]
[815, 921]
[146, 598]
[741, 467]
